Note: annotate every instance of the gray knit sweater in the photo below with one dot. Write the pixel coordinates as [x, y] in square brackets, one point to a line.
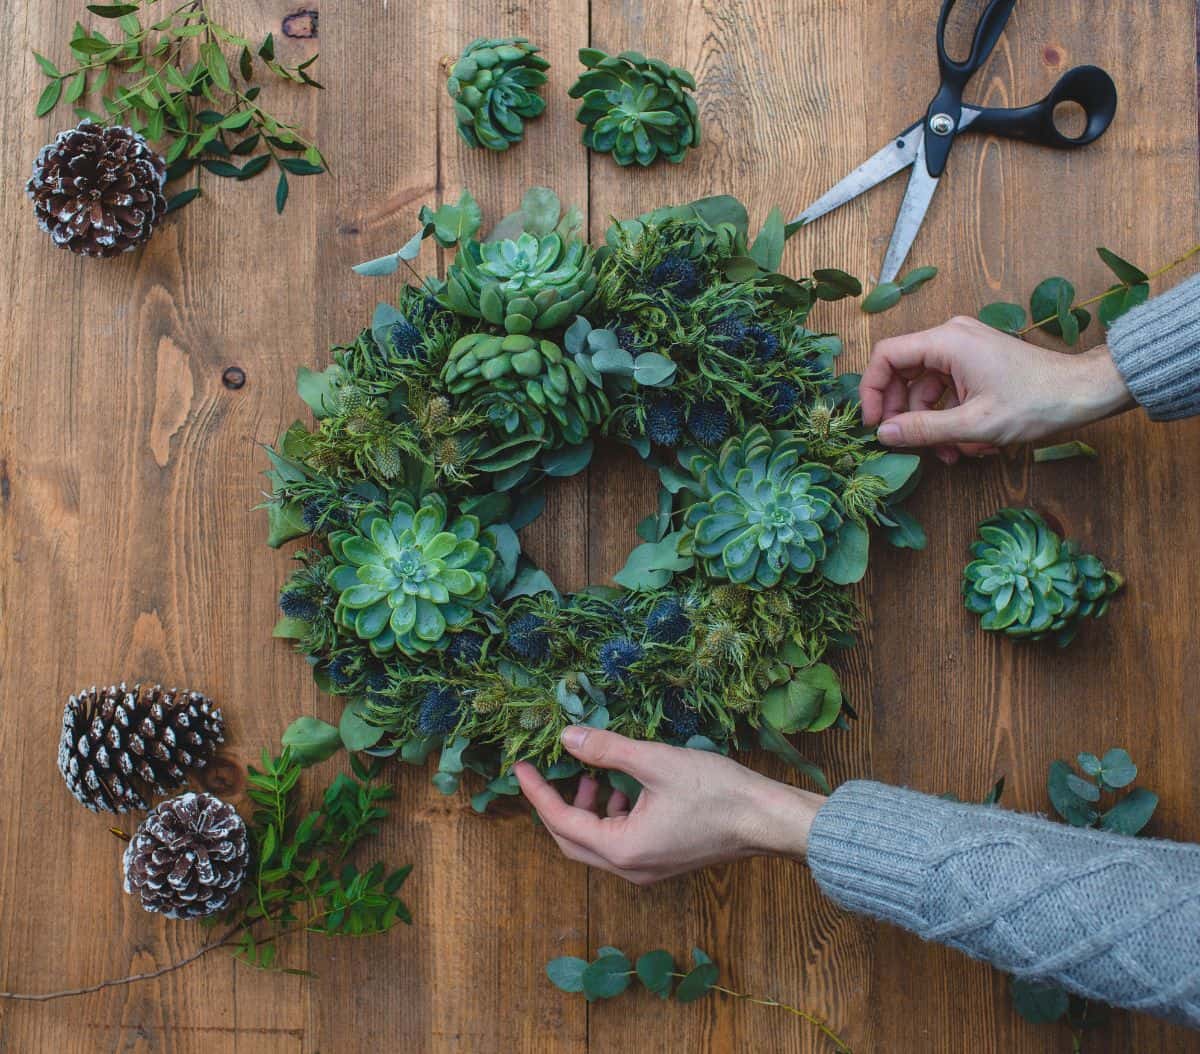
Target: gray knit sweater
[1106, 916]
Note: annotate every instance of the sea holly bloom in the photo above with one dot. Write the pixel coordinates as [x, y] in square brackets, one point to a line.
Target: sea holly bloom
[406, 576]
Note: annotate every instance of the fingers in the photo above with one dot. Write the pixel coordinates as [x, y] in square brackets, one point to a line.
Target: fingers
[618, 804]
[587, 793]
[570, 821]
[892, 359]
[607, 750]
[930, 428]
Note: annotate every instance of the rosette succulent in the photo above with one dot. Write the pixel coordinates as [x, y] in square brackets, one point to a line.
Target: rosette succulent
[406, 575]
[524, 283]
[763, 516]
[494, 85]
[525, 387]
[635, 108]
[1029, 583]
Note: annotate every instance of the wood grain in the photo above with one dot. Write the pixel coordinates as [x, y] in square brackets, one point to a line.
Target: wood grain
[128, 474]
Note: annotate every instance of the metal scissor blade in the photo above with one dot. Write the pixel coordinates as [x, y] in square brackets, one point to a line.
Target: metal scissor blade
[898, 154]
[921, 186]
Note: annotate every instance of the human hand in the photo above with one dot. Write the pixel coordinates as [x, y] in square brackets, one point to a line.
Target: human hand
[992, 389]
[696, 809]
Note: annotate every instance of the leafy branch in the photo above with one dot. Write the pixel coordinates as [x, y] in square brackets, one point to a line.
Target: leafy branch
[611, 973]
[205, 111]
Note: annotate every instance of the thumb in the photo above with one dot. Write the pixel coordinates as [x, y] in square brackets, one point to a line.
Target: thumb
[608, 750]
[929, 428]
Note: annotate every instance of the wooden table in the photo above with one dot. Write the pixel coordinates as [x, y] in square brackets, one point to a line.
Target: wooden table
[128, 474]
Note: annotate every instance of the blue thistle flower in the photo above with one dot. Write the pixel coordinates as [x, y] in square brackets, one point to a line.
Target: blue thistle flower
[406, 340]
[312, 511]
[784, 397]
[296, 605]
[730, 333]
[339, 672]
[766, 344]
[678, 275]
[709, 422]
[664, 420]
[527, 638]
[376, 679]
[617, 656]
[685, 722]
[627, 339]
[439, 712]
[667, 622]
[465, 647]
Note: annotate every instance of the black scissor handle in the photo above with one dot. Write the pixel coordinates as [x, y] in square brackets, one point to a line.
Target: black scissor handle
[1089, 86]
[991, 24]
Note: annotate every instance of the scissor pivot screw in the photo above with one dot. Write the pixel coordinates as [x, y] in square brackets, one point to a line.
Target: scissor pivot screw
[941, 124]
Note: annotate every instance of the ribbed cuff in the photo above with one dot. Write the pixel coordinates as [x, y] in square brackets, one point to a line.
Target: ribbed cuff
[1157, 349]
[868, 847]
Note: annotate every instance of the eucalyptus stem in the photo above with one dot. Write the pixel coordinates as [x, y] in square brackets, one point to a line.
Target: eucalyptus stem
[1194, 250]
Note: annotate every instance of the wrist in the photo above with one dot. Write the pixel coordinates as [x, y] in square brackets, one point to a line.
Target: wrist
[782, 818]
[1098, 389]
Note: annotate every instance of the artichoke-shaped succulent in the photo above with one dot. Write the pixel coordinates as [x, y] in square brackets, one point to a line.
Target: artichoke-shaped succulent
[523, 283]
[405, 575]
[763, 515]
[494, 85]
[525, 386]
[635, 108]
[1029, 583]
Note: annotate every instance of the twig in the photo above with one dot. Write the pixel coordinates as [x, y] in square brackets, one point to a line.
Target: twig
[45, 997]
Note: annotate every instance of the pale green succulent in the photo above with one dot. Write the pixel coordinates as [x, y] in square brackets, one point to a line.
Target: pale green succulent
[764, 515]
[523, 283]
[406, 575]
[1029, 583]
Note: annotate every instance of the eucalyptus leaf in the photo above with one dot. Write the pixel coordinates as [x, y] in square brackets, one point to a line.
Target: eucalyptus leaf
[1066, 802]
[697, 983]
[311, 740]
[1063, 452]
[1037, 1002]
[566, 973]
[355, 732]
[916, 278]
[772, 739]
[608, 976]
[846, 561]
[1131, 813]
[767, 250]
[654, 970]
[1117, 769]
[1128, 273]
[884, 296]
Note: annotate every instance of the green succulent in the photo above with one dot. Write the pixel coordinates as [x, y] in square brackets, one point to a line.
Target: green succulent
[525, 387]
[406, 575]
[523, 283]
[764, 515]
[494, 85]
[1029, 583]
[635, 108]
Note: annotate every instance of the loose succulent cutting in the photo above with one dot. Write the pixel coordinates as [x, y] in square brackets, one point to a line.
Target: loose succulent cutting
[678, 332]
[494, 85]
[121, 746]
[150, 81]
[1027, 582]
[635, 108]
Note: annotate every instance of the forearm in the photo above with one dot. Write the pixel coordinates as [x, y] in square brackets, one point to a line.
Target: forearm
[1105, 916]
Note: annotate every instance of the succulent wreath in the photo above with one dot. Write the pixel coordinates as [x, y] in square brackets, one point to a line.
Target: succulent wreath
[438, 428]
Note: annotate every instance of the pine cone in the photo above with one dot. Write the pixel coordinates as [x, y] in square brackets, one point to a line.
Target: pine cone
[98, 191]
[119, 747]
[188, 857]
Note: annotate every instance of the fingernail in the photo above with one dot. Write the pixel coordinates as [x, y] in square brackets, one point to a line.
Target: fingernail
[573, 736]
[888, 433]
[945, 457]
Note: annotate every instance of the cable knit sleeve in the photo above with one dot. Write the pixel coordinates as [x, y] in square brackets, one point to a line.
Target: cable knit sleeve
[1106, 916]
[1157, 349]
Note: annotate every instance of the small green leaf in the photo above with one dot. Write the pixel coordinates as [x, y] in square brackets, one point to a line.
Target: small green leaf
[281, 192]
[1131, 813]
[1117, 769]
[266, 50]
[214, 59]
[1068, 804]
[112, 10]
[48, 67]
[1063, 452]
[698, 982]
[49, 97]
[311, 740]
[916, 278]
[1090, 764]
[654, 970]
[182, 198]
[834, 284]
[881, 298]
[254, 166]
[846, 561]
[1128, 273]
[222, 168]
[1004, 316]
[566, 972]
[355, 732]
[608, 976]
[297, 166]
[767, 250]
[1121, 299]
[1038, 1003]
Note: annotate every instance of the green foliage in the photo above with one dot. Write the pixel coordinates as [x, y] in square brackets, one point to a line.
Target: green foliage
[1026, 581]
[494, 85]
[302, 879]
[1064, 452]
[887, 295]
[201, 108]
[1076, 799]
[685, 333]
[635, 108]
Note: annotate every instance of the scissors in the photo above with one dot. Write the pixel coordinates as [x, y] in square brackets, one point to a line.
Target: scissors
[926, 143]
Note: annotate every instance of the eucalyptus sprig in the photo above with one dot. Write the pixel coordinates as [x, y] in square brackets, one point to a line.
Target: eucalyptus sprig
[612, 971]
[185, 82]
[1055, 309]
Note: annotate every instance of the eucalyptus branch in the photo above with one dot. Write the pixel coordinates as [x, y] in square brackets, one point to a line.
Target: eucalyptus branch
[840, 1044]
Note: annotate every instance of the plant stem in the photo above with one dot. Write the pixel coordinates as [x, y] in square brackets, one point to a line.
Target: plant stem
[1194, 250]
[45, 997]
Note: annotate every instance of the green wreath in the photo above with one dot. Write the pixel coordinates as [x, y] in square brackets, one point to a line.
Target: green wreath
[435, 434]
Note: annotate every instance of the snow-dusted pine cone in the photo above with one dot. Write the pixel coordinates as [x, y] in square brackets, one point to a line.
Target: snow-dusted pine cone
[121, 746]
[188, 857]
[98, 191]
